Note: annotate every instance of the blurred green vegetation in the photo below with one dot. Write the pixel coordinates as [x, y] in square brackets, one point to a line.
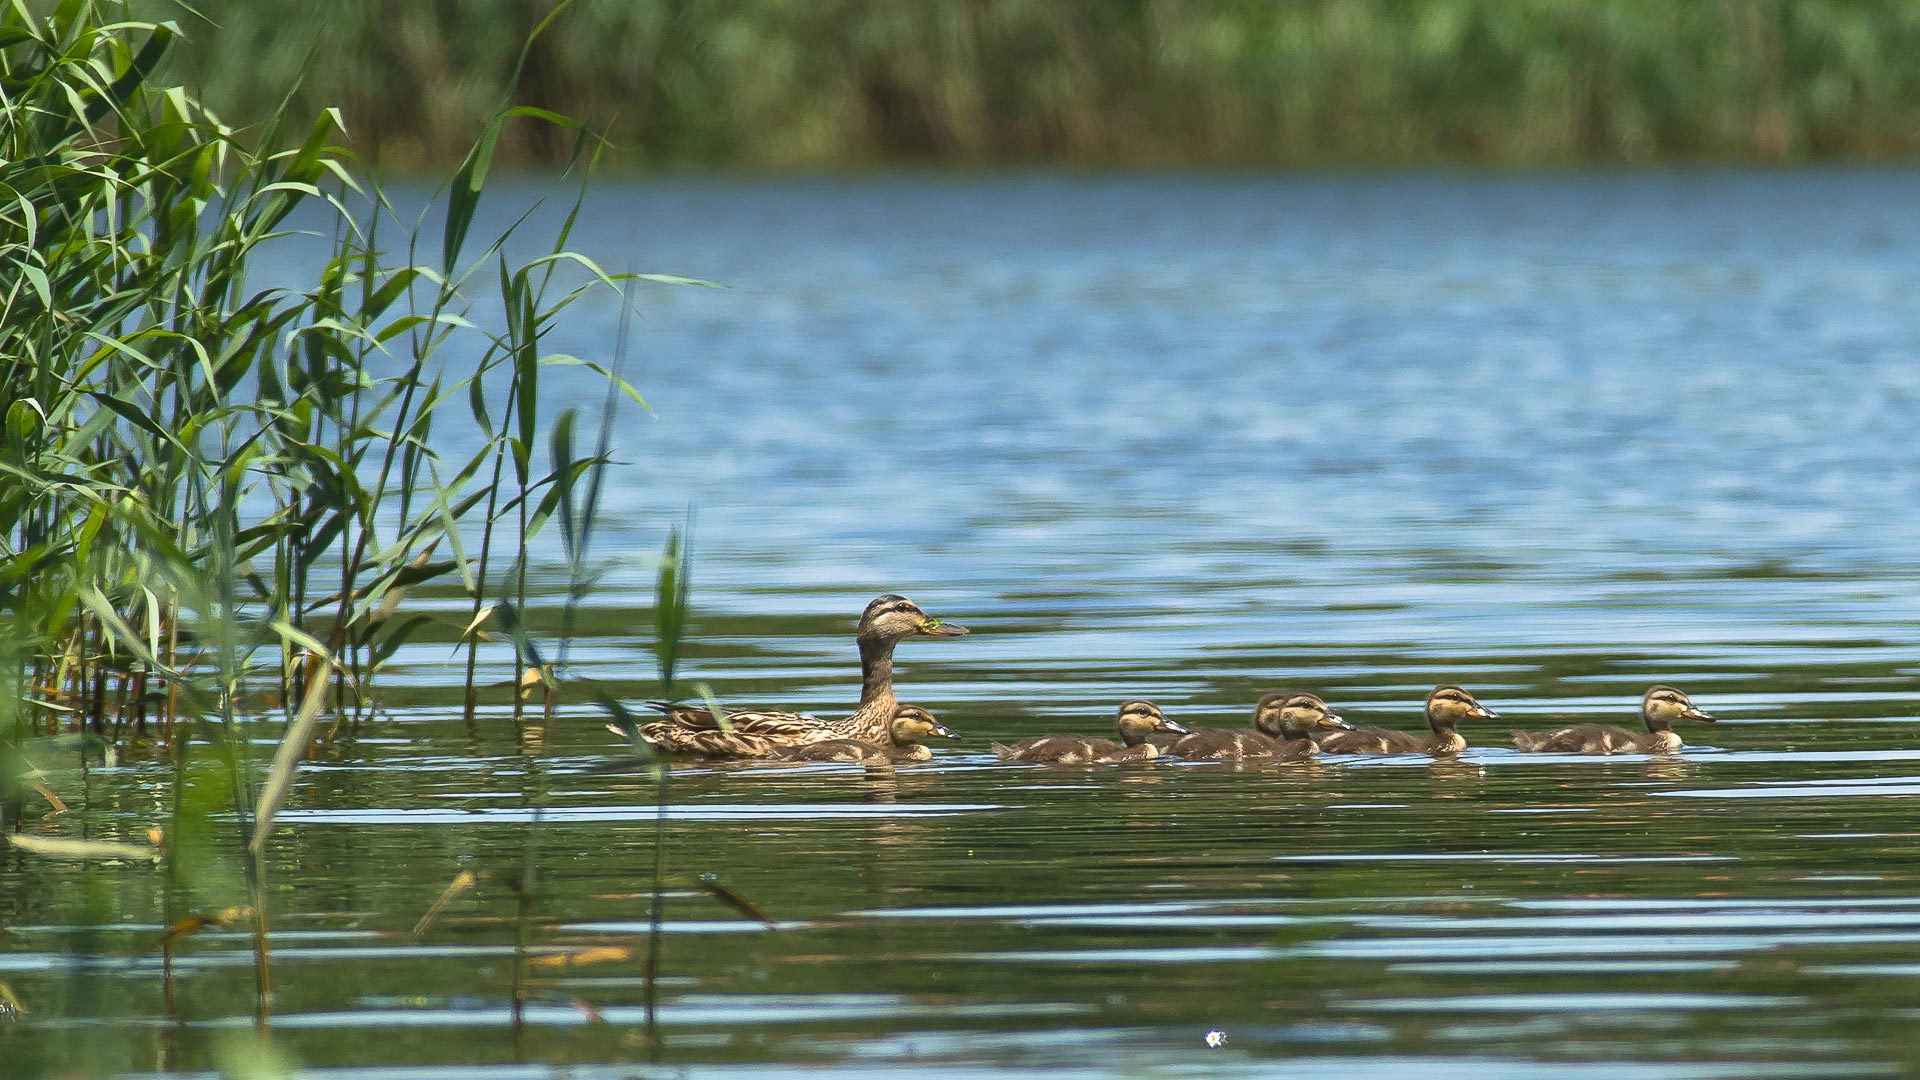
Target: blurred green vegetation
[220, 500]
[808, 83]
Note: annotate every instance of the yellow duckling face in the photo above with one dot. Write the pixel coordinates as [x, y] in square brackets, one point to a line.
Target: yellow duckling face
[1662, 705]
[1294, 716]
[912, 724]
[1139, 719]
[896, 618]
[1448, 705]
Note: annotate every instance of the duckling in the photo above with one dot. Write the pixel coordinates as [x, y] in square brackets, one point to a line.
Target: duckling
[1301, 717]
[911, 723]
[1281, 724]
[1447, 705]
[1138, 720]
[1660, 706]
[888, 620]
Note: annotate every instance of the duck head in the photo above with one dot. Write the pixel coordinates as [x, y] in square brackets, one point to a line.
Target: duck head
[1662, 705]
[912, 724]
[1288, 715]
[892, 617]
[1448, 705]
[1139, 719]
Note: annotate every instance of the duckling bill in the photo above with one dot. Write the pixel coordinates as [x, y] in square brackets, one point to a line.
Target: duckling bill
[1660, 706]
[1138, 720]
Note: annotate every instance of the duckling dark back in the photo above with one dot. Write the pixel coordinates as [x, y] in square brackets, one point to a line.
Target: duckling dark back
[850, 751]
[1136, 721]
[1578, 739]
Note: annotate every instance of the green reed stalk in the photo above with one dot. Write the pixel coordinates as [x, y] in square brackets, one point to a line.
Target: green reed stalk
[672, 603]
[100, 478]
[191, 459]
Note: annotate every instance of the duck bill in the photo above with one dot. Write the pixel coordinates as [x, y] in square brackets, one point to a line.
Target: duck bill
[1695, 714]
[942, 731]
[1481, 712]
[936, 628]
[1168, 725]
[1334, 722]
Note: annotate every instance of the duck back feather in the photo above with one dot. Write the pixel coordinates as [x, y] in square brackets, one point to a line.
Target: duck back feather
[846, 750]
[1234, 744]
[749, 733]
[1073, 750]
[1374, 740]
[1596, 739]
[1220, 744]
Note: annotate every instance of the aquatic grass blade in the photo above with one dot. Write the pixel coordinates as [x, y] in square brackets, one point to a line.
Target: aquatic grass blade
[463, 196]
[293, 747]
[82, 850]
[670, 600]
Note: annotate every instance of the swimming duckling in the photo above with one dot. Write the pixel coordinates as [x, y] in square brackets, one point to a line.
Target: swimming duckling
[1138, 720]
[749, 733]
[1447, 706]
[911, 724]
[1659, 708]
[1301, 717]
[1281, 726]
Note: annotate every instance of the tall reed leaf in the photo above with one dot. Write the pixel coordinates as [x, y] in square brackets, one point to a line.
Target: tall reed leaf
[293, 747]
[463, 197]
[670, 605]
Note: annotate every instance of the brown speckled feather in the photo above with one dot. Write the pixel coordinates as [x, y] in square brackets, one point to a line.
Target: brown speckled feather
[755, 732]
[1073, 750]
[848, 750]
[1221, 744]
[1593, 739]
[1578, 739]
[856, 752]
[1294, 750]
[1374, 740]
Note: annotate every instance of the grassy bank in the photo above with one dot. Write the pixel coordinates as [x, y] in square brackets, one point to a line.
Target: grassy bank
[845, 82]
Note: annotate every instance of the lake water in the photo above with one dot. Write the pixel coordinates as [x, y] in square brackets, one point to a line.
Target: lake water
[1185, 437]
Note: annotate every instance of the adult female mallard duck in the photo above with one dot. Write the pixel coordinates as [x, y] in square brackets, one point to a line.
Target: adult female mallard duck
[1138, 720]
[1282, 724]
[748, 733]
[1660, 706]
[1447, 706]
[911, 724]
